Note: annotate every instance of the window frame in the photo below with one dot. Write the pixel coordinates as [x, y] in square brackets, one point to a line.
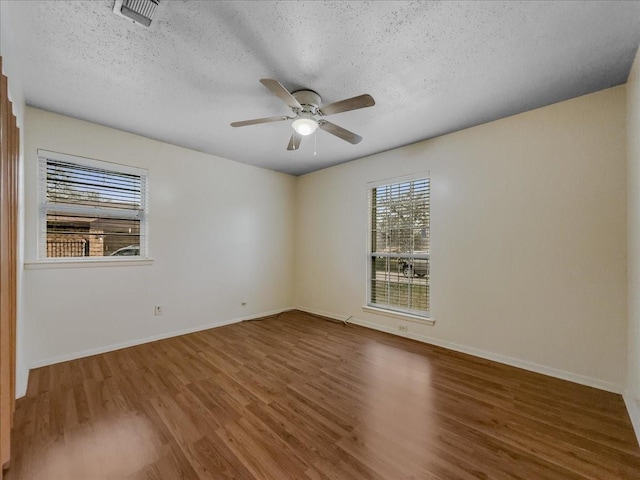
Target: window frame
[386, 309]
[44, 207]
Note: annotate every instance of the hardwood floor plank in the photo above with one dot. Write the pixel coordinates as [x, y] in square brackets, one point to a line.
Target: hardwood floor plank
[177, 421]
[343, 466]
[208, 462]
[251, 453]
[175, 465]
[277, 449]
[211, 404]
[304, 446]
[578, 453]
[218, 458]
[297, 397]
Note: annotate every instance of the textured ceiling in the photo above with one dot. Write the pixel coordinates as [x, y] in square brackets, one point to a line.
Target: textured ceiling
[432, 67]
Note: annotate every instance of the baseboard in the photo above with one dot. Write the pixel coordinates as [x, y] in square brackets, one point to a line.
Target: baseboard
[153, 338]
[496, 357]
[633, 407]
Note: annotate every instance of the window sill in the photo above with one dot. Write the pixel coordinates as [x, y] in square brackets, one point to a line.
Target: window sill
[400, 315]
[110, 262]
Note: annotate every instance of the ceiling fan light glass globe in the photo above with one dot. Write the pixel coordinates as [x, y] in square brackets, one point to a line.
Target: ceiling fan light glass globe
[305, 124]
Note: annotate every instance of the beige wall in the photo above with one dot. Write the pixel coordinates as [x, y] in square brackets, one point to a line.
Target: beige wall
[220, 233]
[632, 394]
[528, 239]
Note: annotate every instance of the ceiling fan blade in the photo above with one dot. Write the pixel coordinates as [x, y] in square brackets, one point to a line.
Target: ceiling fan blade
[256, 121]
[354, 103]
[277, 89]
[294, 143]
[343, 133]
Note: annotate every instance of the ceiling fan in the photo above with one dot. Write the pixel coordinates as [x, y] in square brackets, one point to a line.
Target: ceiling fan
[305, 105]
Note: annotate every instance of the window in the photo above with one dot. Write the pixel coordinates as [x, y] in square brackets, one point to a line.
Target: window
[90, 208]
[399, 238]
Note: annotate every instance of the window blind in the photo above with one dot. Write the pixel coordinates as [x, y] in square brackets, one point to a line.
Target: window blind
[91, 208]
[399, 270]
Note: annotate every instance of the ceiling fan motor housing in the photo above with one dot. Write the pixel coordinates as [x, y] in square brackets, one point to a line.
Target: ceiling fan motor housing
[309, 100]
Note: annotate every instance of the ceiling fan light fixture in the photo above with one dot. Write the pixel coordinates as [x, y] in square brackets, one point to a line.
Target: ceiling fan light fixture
[305, 124]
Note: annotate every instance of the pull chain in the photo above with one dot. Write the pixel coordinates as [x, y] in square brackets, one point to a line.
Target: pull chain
[315, 143]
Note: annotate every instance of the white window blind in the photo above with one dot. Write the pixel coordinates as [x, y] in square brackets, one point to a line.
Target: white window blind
[91, 208]
[400, 251]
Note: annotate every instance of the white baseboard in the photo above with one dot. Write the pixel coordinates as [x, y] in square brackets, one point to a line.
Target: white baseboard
[496, 357]
[633, 407]
[131, 343]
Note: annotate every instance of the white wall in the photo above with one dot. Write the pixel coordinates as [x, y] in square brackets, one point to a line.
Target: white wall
[528, 239]
[220, 232]
[9, 58]
[632, 394]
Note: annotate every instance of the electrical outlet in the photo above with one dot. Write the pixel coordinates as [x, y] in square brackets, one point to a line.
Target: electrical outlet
[158, 310]
[403, 328]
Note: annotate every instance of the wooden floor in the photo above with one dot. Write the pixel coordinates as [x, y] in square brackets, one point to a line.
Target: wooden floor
[297, 397]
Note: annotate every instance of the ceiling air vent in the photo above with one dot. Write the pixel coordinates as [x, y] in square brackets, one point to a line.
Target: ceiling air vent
[140, 11]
